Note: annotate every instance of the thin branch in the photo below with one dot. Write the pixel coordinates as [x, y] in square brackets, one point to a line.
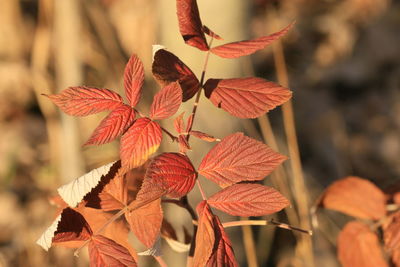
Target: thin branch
[173, 137]
[265, 222]
[203, 195]
[161, 261]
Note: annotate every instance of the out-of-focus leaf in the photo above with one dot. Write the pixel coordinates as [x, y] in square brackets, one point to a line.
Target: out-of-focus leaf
[248, 200]
[239, 158]
[356, 197]
[392, 232]
[246, 97]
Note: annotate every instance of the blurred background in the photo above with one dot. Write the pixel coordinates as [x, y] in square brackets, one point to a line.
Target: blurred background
[343, 65]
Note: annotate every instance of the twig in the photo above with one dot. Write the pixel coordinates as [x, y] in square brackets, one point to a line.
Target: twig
[203, 195]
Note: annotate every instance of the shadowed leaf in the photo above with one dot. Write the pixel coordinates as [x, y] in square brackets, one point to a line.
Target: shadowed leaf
[190, 24]
[106, 252]
[133, 80]
[247, 47]
[246, 97]
[248, 200]
[239, 158]
[83, 101]
[358, 246]
[112, 126]
[140, 141]
[168, 68]
[166, 102]
[348, 195]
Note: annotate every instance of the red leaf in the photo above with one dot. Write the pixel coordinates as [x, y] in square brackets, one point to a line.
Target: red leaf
[179, 125]
[168, 68]
[248, 200]
[166, 102]
[145, 222]
[183, 144]
[83, 101]
[358, 246]
[247, 47]
[104, 252]
[222, 255]
[210, 33]
[133, 80]
[205, 236]
[173, 172]
[141, 140]
[190, 24]
[348, 196]
[203, 136]
[246, 97]
[239, 158]
[112, 126]
[392, 232]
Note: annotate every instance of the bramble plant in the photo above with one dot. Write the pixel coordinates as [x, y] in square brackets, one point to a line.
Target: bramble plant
[101, 207]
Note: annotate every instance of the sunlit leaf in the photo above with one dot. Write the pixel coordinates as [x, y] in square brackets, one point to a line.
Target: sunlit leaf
[166, 102]
[133, 80]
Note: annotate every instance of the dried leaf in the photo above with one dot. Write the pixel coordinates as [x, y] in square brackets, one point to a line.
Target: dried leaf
[210, 33]
[239, 158]
[83, 101]
[112, 126]
[246, 97]
[166, 102]
[168, 68]
[205, 236]
[222, 254]
[133, 80]
[190, 24]
[392, 232]
[248, 200]
[203, 136]
[145, 222]
[140, 142]
[358, 246]
[73, 192]
[105, 252]
[173, 172]
[247, 47]
[348, 195]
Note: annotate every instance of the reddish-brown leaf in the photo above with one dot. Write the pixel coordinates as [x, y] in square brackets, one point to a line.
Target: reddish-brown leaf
[83, 101]
[222, 254]
[190, 24]
[205, 236]
[348, 195]
[203, 136]
[172, 172]
[140, 141]
[246, 97]
[104, 252]
[145, 222]
[166, 102]
[248, 200]
[168, 68]
[239, 158]
[358, 246]
[392, 232]
[210, 33]
[133, 80]
[247, 47]
[112, 126]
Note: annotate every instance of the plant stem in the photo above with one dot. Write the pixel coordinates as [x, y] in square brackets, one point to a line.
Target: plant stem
[265, 222]
[203, 195]
[173, 137]
[161, 261]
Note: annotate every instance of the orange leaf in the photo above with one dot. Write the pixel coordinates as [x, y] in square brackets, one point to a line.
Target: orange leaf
[392, 232]
[248, 200]
[141, 140]
[246, 97]
[106, 252]
[358, 246]
[112, 126]
[133, 80]
[168, 68]
[145, 222]
[203, 136]
[83, 101]
[190, 24]
[239, 158]
[247, 47]
[205, 236]
[166, 102]
[356, 197]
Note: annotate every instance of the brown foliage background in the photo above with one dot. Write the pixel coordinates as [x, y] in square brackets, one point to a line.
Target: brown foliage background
[344, 70]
